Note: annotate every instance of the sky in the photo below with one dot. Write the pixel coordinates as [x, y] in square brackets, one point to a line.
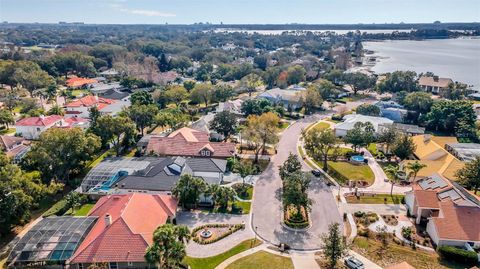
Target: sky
[239, 11]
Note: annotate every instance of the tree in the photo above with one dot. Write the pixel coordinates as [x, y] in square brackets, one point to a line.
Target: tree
[296, 74]
[358, 81]
[224, 123]
[6, 118]
[142, 115]
[255, 106]
[56, 110]
[318, 143]
[403, 147]
[388, 136]
[295, 187]
[72, 201]
[61, 152]
[291, 165]
[368, 110]
[396, 173]
[327, 89]
[382, 235]
[244, 169]
[188, 190]
[174, 118]
[32, 78]
[455, 117]
[251, 82]
[93, 115]
[399, 81]
[163, 64]
[469, 175]
[167, 250]
[189, 85]
[420, 102]
[176, 94]
[20, 192]
[334, 246]
[141, 98]
[415, 167]
[311, 100]
[115, 130]
[264, 129]
[223, 93]
[222, 195]
[202, 93]
[361, 135]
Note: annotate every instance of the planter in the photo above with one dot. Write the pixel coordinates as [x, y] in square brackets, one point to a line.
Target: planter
[296, 223]
[215, 232]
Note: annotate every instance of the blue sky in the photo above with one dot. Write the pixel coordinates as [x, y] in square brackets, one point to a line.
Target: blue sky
[239, 11]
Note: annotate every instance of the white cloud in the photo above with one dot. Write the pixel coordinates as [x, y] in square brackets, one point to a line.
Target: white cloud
[144, 12]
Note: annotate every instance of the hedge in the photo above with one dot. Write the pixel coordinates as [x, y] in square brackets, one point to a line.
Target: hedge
[458, 255]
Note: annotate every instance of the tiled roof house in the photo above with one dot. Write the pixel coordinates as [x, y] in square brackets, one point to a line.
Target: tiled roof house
[32, 127]
[80, 107]
[124, 230]
[188, 142]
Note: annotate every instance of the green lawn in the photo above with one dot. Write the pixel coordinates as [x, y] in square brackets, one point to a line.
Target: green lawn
[283, 125]
[245, 206]
[347, 171]
[384, 165]
[7, 131]
[321, 125]
[262, 259]
[377, 199]
[373, 149]
[79, 92]
[212, 262]
[82, 211]
[342, 151]
[244, 195]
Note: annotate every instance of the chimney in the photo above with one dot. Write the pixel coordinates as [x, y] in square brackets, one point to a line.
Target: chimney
[42, 117]
[427, 138]
[435, 78]
[96, 98]
[108, 220]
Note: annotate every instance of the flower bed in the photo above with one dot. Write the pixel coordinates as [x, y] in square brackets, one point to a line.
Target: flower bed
[294, 220]
[219, 231]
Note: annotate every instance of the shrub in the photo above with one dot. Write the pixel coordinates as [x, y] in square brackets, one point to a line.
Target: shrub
[407, 232]
[458, 255]
[231, 230]
[364, 232]
[359, 214]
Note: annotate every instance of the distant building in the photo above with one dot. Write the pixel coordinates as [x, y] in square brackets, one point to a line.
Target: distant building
[434, 84]
[124, 230]
[81, 107]
[101, 88]
[404, 128]
[233, 106]
[32, 127]
[286, 97]
[342, 128]
[392, 110]
[76, 82]
[188, 142]
[464, 151]
[14, 147]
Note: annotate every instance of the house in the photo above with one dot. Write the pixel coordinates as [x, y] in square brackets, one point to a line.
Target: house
[109, 73]
[286, 97]
[404, 128]
[124, 230]
[430, 151]
[391, 110]
[77, 82]
[342, 128]
[233, 106]
[32, 127]
[434, 84]
[14, 147]
[102, 88]
[81, 107]
[188, 142]
[51, 241]
[451, 213]
[476, 108]
[464, 151]
[203, 125]
[149, 174]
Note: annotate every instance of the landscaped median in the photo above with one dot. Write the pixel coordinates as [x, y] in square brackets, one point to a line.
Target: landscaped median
[214, 261]
[211, 233]
[373, 198]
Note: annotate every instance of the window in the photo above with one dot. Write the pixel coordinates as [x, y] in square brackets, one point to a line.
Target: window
[205, 152]
[130, 263]
[80, 266]
[38, 129]
[113, 265]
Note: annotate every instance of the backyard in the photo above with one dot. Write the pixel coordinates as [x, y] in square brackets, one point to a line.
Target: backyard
[343, 171]
[214, 261]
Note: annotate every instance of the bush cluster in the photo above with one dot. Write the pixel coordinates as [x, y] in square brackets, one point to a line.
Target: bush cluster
[458, 255]
[233, 228]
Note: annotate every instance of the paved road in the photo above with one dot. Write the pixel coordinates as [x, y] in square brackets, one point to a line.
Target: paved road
[267, 206]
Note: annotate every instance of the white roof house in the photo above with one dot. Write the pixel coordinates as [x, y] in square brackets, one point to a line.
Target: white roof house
[350, 120]
[285, 97]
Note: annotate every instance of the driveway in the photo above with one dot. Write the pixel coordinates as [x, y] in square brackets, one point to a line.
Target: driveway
[267, 206]
[194, 219]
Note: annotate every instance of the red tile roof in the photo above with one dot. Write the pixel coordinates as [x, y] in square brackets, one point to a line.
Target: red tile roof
[79, 82]
[189, 142]
[134, 218]
[458, 222]
[39, 121]
[426, 198]
[6, 141]
[90, 101]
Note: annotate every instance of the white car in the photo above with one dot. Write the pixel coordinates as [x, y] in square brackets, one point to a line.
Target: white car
[353, 263]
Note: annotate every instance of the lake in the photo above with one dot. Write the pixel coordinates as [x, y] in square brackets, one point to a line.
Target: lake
[458, 59]
[338, 32]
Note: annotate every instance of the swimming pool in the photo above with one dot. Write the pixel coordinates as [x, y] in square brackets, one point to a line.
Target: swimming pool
[358, 158]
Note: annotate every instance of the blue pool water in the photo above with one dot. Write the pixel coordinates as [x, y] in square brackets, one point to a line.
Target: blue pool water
[358, 158]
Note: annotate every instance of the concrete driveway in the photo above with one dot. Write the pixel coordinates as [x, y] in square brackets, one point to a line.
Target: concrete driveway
[267, 208]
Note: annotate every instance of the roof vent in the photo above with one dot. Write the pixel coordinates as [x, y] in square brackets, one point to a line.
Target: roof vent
[108, 220]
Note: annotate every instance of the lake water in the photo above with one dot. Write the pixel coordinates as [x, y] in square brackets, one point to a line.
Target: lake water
[279, 32]
[458, 59]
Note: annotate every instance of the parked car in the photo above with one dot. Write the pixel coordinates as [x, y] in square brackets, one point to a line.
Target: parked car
[354, 263]
[316, 172]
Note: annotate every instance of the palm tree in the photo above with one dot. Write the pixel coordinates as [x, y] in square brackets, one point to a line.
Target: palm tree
[415, 167]
[168, 248]
[395, 172]
[188, 190]
[244, 169]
